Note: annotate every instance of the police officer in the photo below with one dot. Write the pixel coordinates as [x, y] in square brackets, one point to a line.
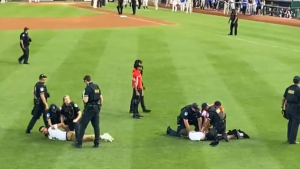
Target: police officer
[70, 115]
[93, 100]
[99, 3]
[142, 96]
[140, 4]
[53, 115]
[189, 115]
[291, 98]
[40, 103]
[120, 7]
[24, 44]
[214, 119]
[233, 20]
[133, 6]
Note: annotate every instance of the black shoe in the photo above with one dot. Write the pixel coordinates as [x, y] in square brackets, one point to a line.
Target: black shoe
[76, 145]
[168, 130]
[27, 132]
[26, 63]
[294, 142]
[96, 146]
[229, 132]
[125, 6]
[140, 115]
[136, 117]
[224, 136]
[230, 34]
[20, 62]
[146, 7]
[236, 134]
[214, 143]
[245, 135]
[146, 110]
[133, 14]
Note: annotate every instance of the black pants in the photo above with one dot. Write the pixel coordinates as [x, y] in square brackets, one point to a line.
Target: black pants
[135, 101]
[37, 111]
[120, 6]
[99, 3]
[133, 6]
[244, 10]
[142, 101]
[91, 114]
[73, 127]
[233, 26]
[140, 4]
[25, 55]
[293, 112]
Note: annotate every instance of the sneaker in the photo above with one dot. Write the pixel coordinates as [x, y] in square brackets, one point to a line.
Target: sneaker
[236, 134]
[146, 110]
[168, 130]
[245, 135]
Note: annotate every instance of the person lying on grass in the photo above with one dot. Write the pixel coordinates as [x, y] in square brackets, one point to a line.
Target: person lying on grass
[212, 135]
[57, 134]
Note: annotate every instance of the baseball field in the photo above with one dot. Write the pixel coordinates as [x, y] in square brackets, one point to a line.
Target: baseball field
[187, 58]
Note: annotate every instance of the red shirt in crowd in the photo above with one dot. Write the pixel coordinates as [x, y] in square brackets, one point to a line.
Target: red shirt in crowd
[136, 79]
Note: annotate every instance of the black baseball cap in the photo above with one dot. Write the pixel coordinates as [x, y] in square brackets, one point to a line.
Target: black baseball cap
[204, 105]
[296, 79]
[53, 108]
[87, 78]
[195, 106]
[217, 103]
[42, 76]
[138, 64]
[26, 29]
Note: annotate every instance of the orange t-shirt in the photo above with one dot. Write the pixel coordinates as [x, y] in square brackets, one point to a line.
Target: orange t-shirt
[136, 79]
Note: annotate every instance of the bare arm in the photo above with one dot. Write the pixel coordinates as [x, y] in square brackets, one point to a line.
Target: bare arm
[101, 99]
[22, 44]
[44, 100]
[187, 125]
[205, 125]
[199, 123]
[62, 117]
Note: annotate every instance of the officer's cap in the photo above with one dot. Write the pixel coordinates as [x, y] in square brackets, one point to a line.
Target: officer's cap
[296, 79]
[195, 106]
[204, 105]
[53, 108]
[87, 78]
[42, 76]
[26, 29]
[217, 103]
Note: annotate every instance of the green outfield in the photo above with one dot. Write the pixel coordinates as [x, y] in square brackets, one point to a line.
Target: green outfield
[193, 61]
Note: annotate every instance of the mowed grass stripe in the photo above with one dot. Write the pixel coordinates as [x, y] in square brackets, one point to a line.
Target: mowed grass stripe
[239, 83]
[15, 123]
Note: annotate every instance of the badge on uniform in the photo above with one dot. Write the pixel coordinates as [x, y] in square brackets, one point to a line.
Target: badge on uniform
[75, 105]
[48, 115]
[41, 89]
[186, 113]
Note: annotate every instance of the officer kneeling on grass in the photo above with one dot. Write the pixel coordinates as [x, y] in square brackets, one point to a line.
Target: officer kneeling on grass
[70, 115]
[53, 115]
[291, 98]
[189, 115]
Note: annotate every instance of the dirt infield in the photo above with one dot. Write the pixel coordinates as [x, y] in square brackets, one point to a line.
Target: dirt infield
[267, 19]
[107, 19]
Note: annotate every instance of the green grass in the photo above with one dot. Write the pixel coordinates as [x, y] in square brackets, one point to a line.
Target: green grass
[193, 62]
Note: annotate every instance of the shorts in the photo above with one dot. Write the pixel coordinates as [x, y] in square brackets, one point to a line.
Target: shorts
[196, 136]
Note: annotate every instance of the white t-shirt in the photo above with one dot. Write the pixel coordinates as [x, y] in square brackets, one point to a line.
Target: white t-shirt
[57, 134]
[196, 136]
[232, 4]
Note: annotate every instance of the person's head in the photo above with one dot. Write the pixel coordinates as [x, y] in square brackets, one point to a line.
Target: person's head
[53, 108]
[138, 66]
[296, 80]
[66, 99]
[195, 107]
[26, 30]
[137, 62]
[87, 79]
[217, 104]
[204, 106]
[42, 78]
[43, 130]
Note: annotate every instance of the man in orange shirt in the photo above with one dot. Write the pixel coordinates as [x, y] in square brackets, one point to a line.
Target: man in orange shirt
[142, 96]
[137, 89]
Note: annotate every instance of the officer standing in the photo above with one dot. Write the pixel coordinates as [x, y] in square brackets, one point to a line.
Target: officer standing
[99, 3]
[70, 115]
[120, 7]
[233, 20]
[93, 100]
[142, 96]
[291, 98]
[133, 6]
[24, 44]
[189, 115]
[53, 115]
[40, 103]
[140, 4]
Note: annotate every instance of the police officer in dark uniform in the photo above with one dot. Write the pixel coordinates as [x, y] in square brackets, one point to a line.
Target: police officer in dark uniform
[40, 103]
[93, 100]
[214, 119]
[291, 98]
[70, 115]
[53, 115]
[120, 7]
[24, 44]
[140, 4]
[145, 110]
[133, 6]
[99, 3]
[189, 115]
[233, 20]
